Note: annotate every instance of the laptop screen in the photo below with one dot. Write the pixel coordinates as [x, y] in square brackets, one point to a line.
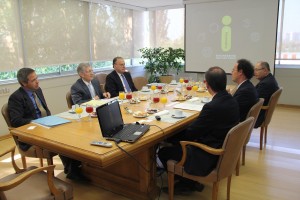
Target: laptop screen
[110, 118]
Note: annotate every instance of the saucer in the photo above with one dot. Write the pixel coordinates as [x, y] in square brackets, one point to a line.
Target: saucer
[148, 90]
[203, 101]
[178, 117]
[94, 115]
[140, 116]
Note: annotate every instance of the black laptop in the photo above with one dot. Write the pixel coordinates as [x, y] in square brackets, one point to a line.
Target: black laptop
[113, 127]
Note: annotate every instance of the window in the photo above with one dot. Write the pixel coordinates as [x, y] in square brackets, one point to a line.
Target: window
[288, 34]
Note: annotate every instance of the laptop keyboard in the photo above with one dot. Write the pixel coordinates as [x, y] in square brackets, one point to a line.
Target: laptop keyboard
[127, 132]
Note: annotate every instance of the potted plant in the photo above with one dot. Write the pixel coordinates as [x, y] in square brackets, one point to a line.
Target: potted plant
[152, 62]
[160, 61]
[171, 59]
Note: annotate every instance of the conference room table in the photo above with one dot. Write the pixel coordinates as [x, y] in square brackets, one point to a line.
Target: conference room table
[129, 169]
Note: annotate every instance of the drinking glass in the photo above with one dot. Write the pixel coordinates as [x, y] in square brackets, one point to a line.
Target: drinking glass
[121, 96]
[89, 109]
[128, 96]
[181, 80]
[153, 87]
[188, 88]
[159, 87]
[155, 99]
[186, 80]
[78, 111]
[164, 100]
[195, 88]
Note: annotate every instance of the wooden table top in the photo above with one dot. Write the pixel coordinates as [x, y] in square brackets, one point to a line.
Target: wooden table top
[73, 139]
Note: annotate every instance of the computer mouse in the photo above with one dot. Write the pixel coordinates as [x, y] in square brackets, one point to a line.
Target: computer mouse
[158, 118]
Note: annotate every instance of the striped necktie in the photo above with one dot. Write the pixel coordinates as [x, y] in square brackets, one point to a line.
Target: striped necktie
[39, 105]
[125, 83]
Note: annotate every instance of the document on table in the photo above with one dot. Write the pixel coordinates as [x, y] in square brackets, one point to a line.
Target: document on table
[50, 121]
[192, 104]
[98, 102]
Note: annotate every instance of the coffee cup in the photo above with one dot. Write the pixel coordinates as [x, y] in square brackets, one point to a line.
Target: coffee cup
[144, 88]
[178, 113]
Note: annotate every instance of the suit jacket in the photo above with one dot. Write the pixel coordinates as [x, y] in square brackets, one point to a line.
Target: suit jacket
[114, 85]
[21, 110]
[211, 127]
[265, 88]
[80, 92]
[246, 96]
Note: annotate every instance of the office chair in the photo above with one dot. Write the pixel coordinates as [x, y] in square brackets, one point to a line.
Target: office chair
[228, 157]
[253, 112]
[33, 183]
[268, 116]
[139, 82]
[102, 80]
[32, 151]
[69, 100]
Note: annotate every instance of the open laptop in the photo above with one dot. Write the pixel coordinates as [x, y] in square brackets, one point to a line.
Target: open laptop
[113, 127]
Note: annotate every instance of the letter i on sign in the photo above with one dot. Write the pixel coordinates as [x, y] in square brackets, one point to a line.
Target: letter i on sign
[226, 34]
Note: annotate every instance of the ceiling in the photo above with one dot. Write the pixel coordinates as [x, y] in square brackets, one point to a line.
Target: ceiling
[142, 4]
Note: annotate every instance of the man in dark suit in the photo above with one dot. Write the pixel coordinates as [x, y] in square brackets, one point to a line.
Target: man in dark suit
[28, 103]
[245, 94]
[211, 127]
[265, 88]
[119, 79]
[22, 106]
[86, 87]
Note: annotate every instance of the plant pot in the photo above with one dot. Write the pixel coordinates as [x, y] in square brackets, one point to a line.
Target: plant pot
[166, 78]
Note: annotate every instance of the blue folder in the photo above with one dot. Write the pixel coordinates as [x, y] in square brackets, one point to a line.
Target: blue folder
[50, 121]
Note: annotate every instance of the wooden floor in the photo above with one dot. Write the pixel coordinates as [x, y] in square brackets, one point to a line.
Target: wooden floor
[270, 174]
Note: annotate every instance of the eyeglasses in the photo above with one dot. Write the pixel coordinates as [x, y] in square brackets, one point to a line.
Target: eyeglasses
[258, 69]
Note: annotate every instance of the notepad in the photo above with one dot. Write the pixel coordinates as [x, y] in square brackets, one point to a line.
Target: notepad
[50, 121]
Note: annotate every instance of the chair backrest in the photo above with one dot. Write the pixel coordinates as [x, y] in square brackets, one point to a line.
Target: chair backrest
[101, 77]
[232, 145]
[139, 82]
[254, 112]
[5, 115]
[271, 106]
[69, 99]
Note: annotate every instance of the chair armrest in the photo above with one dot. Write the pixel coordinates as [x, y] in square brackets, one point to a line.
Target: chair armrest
[204, 147]
[264, 107]
[12, 151]
[6, 151]
[22, 177]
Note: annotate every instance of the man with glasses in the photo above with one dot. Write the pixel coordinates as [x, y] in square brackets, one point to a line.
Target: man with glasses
[86, 87]
[119, 79]
[265, 88]
[245, 94]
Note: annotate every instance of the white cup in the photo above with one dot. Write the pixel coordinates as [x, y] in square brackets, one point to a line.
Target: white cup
[173, 81]
[144, 88]
[178, 113]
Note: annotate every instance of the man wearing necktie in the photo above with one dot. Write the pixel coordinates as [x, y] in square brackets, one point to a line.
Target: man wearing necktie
[86, 87]
[28, 103]
[119, 79]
